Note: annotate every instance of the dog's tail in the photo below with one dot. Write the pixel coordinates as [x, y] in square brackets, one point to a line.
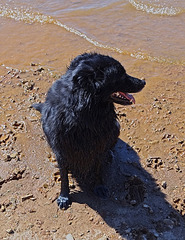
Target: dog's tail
[38, 106]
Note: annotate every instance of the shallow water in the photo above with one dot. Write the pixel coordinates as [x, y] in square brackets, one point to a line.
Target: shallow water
[52, 32]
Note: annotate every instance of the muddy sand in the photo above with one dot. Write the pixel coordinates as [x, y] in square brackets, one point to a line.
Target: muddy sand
[146, 177]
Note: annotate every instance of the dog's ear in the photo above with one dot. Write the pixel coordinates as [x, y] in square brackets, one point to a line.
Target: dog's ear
[84, 76]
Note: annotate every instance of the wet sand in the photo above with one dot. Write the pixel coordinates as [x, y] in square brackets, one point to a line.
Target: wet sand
[146, 178]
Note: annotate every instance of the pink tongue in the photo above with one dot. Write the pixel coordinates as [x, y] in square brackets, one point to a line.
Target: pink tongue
[128, 96]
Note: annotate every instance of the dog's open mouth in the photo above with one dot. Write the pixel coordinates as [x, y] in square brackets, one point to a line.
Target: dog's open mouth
[123, 98]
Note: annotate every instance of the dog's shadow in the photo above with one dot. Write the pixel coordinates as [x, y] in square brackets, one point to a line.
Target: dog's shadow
[136, 209]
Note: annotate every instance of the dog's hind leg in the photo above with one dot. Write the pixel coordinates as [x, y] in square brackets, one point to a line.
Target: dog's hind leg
[63, 200]
[99, 189]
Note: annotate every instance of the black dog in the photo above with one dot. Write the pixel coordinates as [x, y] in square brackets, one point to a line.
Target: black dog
[79, 119]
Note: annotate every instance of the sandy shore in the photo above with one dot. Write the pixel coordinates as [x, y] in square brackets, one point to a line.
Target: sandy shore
[146, 178]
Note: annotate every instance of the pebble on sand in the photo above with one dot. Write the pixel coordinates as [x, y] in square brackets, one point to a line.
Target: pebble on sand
[69, 237]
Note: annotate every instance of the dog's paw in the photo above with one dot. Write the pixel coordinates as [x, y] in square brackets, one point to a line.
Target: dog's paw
[101, 191]
[63, 202]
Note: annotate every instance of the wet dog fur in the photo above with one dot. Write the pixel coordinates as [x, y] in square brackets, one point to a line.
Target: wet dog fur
[79, 119]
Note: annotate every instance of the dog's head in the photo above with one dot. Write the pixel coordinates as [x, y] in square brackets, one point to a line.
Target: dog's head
[104, 78]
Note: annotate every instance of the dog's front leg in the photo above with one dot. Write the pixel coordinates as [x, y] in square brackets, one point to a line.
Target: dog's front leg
[63, 200]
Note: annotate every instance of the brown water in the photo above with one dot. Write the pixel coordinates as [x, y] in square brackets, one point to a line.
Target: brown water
[52, 32]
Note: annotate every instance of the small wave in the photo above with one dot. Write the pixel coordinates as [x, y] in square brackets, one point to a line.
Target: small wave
[29, 17]
[156, 9]
[145, 56]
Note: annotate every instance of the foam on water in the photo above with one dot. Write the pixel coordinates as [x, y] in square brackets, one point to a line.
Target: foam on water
[29, 17]
[156, 9]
